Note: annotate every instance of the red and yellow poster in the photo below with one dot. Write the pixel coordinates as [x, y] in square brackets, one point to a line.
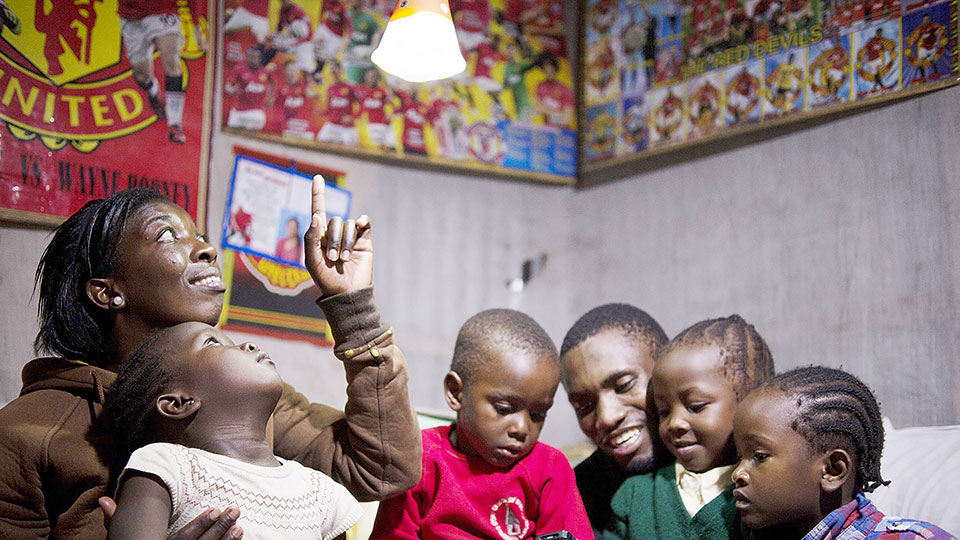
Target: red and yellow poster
[299, 71]
[98, 96]
[268, 298]
[661, 73]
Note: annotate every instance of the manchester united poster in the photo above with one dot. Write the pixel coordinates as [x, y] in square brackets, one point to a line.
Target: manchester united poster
[96, 96]
[299, 71]
[661, 73]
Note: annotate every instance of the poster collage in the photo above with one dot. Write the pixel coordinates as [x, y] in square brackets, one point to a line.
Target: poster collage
[301, 70]
[660, 73]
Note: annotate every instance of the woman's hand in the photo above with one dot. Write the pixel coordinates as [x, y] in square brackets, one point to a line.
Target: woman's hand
[338, 254]
[210, 525]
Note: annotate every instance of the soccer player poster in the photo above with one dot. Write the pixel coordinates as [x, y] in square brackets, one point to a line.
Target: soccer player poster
[601, 131]
[744, 83]
[778, 59]
[877, 61]
[927, 55]
[784, 89]
[829, 68]
[98, 97]
[299, 72]
[705, 105]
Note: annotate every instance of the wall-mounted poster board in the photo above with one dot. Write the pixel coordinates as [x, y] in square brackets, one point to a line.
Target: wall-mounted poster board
[269, 210]
[269, 292]
[77, 123]
[301, 74]
[662, 75]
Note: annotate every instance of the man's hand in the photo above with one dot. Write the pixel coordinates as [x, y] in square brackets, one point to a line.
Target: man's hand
[210, 525]
[338, 254]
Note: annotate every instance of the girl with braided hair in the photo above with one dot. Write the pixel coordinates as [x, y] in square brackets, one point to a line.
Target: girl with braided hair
[809, 442]
[698, 379]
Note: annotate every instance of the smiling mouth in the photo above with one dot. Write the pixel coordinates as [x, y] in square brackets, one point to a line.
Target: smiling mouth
[211, 281]
[624, 438]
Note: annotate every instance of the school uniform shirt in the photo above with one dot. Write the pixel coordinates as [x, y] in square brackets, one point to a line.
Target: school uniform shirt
[697, 489]
[649, 507]
[286, 502]
[859, 519]
[464, 497]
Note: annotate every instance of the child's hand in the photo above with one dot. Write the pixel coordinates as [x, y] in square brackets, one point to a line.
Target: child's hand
[338, 254]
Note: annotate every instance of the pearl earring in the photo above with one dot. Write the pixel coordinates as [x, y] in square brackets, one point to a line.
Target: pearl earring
[116, 301]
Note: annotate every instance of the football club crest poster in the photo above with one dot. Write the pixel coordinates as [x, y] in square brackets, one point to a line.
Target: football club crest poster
[299, 71]
[99, 96]
[671, 72]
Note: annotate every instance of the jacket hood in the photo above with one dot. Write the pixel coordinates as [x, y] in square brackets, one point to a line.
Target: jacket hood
[66, 375]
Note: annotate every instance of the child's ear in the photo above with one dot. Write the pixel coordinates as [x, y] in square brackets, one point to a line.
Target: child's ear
[452, 389]
[837, 466]
[177, 406]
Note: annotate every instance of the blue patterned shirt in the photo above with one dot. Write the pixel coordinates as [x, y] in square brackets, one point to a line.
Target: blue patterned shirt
[860, 520]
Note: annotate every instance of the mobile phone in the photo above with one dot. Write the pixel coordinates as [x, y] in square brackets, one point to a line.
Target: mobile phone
[559, 535]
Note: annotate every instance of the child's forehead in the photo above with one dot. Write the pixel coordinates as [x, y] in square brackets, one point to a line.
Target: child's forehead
[688, 361]
[766, 408]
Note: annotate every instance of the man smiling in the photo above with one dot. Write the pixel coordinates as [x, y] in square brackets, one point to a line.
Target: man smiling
[606, 360]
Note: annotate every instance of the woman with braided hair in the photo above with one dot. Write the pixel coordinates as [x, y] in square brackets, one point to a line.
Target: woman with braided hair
[809, 442]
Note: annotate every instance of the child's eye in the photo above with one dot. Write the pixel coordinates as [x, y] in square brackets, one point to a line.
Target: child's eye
[663, 413]
[760, 457]
[502, 409]
[538, 416]
[696, 407]
[211, 341]
[166, 235]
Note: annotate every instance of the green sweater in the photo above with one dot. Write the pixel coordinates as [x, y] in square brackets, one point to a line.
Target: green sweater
[648, 507]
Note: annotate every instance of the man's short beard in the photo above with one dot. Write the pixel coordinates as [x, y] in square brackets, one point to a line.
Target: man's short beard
[642, 466]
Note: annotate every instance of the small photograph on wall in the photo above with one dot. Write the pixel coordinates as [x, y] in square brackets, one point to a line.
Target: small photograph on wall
[668, 119]
[829, 71]
[633, 131]
[706, 98]
[784, 83]
[877, 62]
[744, 84]
[927, 55]
[601, 131]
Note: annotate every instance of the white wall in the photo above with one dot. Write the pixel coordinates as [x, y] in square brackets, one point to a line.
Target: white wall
[839, 242]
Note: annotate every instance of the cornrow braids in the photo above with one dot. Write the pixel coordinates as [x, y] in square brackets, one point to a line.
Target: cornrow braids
[129, 410]
[744, 354]
[498, 330]
[834, 408]
[632, 321]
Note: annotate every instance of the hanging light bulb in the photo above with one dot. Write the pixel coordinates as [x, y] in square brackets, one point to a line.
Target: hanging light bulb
[420, 43]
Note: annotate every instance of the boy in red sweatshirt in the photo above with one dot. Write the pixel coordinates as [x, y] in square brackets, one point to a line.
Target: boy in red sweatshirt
[486, 476]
